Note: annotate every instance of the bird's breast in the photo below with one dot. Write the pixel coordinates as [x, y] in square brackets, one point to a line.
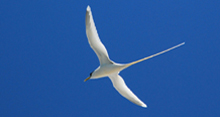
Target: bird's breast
[106, 70]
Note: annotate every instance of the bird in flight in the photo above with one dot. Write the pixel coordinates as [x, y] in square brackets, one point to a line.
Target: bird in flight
[107, 67]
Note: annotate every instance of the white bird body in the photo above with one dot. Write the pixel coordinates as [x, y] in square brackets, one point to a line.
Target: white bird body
[107, 67]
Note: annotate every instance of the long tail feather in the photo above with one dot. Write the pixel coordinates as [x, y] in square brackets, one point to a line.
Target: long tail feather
[132, 63]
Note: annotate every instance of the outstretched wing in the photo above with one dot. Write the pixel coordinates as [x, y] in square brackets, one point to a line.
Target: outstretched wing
[94, 40]
[122, 88]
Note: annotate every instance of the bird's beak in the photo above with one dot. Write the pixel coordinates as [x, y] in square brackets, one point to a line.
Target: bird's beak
[87, 78]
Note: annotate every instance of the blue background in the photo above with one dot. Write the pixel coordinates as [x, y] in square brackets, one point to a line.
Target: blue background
[45, 56]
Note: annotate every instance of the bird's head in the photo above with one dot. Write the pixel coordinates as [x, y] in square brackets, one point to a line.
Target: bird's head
[88, 77]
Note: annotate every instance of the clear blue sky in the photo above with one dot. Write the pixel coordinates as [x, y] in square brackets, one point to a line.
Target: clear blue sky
[45, 56]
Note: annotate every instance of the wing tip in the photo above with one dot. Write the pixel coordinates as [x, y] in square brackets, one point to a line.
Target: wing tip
[144, 105]
[88, 8]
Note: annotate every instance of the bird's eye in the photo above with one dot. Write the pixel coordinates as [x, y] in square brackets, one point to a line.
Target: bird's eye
[91, 73]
